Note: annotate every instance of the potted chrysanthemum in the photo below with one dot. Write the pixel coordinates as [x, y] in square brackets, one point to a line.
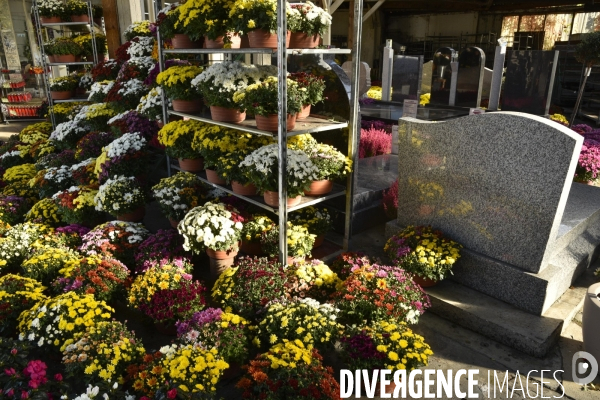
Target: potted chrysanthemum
[50, 11]
[262, 100]
[258, 19]
[312, 87]
[177, 137]
[218, 84]
[63, 88]
[208, 19]
[261, 168]
[330, 163]
[216, 228]
[178, 194]
[308, 23]
[176, 82]
[122, 197]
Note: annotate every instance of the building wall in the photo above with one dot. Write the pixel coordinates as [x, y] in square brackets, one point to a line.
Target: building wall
[18, 19]
[371, 44]
[402, 28]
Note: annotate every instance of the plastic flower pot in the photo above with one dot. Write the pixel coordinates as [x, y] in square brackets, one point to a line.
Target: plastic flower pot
[300, 40]
[213, 177]
[424, 282]
[224, 114]
[61, 95]
[270, 123]
[50, 20]
[181, 41]
[65, 58]
[272, 199]
[318, 188]
[304, 113]
[191, 164]
[187, 106]
[262, 39]
[80, 18]
[244, 190]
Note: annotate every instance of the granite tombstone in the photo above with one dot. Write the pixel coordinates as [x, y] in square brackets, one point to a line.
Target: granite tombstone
[529, 79]
[469, 85]
[441, 76]
[406, 78]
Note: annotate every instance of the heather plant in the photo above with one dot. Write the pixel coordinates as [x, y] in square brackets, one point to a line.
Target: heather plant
[374, 142]
[588, 165]
[390, 200]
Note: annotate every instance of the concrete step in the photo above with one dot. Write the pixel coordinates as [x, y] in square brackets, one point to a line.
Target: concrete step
[500, 321]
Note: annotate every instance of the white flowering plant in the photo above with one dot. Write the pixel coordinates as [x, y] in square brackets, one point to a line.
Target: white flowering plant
[261, 168]
[20, 240]
[330, 162]
[52, 180]
[216, 226]
[86, 81]
[99, 90]
[66, 134]
[125, 95]
[179, 193]
[120, 195]
[117, 239]
[51, 8]
[219, 82]
[56, 321]
[126, 155]
[308, 18]
[141, 47]
[150, 105]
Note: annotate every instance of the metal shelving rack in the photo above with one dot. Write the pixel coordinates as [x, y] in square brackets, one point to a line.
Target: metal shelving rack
[310, 125]
[38, 26]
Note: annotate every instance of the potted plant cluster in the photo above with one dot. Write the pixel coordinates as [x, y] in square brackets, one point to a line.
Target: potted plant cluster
[300, 242]
[260, 167]
[252, 233]
[257, 19]
[176, 82]
[313, 88]
[307, 23]
[63, 50]
[208, 19]
[117, 239]
[316, 220]
[330, 164]
[122, 197]
[51, 11]
[76, 206]
[63, 88]
[77, 11]
[262, 100]
[178, 194]
[177, 137]
[424, 252]
[219, 82]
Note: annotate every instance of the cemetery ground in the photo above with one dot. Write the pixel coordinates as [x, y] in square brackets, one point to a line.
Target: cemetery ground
[454, 347]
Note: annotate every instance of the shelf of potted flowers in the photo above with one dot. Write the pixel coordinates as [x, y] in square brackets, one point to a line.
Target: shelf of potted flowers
[63, 88]
[178, 194]
[208, 19]
[257, 19]
[307, 23]
[316, 220]
[424, 252]
[77, 11]
[176, 82]
[215, 228]
[63, 50]
[122, 197]
[177, 137]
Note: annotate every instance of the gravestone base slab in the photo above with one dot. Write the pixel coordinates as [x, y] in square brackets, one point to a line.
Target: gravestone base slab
[531, 334]
[576, 246]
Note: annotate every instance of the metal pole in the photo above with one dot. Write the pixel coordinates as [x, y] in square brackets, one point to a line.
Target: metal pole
[161, 68]
[353, 126]
[282, 131]
[92, 33]
[38, 28]
[588, 70]
[497, 73]
[453, 82]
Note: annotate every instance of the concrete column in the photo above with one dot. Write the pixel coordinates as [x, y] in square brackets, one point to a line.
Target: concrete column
[111, 25]
[129, 12]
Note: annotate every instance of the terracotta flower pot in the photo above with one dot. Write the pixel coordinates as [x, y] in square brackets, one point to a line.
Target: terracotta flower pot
[319, 241]
[218, 43]
[272, 199]
[251, 248]
[173, 223]
[318, 188]
[191, 164]
[270, 123]
[213, 177]
[262, 39]
[224, 114]
[80, 18]
[304, 113]
[166, 329]
[50, 20]
[424, 282]
[300, 40]
[51, 59]
[220, 254]
[79, 91]
[61, 95]
[244, 42]
[134, 216]
[188, 106]
[245, 190]
[591, 321]
[181, 41]
[236, 40]
[66, 58]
